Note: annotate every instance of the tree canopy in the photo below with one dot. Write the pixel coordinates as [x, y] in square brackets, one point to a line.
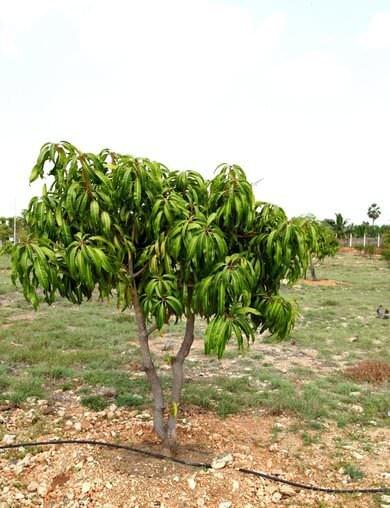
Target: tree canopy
[373, 212]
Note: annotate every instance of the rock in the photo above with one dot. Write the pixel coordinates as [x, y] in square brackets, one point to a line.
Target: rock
[355, 394]
[32, 487]
[274, 447]
[225, 504]
[276, 497]
[42, 489]
[9, 438]
[168, 346]
[260, 493]
[77, 426]
[385, 498]
[222, 461]
[352, 339]
[357, 408]
[191, 483]
[235, 486]
[143, 416]
[85, 488]
[107, 392]
[287, 490]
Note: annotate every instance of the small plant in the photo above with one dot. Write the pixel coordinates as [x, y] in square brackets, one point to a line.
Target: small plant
[352, 471]
[95, 402]
[330, 303]
[309, 438]
[129, 399]
[386, 246]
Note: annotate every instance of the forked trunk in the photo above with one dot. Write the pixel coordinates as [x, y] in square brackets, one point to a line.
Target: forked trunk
[166, 432]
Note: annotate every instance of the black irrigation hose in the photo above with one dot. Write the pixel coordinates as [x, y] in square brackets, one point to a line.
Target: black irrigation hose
[195, 464]
[314, 487]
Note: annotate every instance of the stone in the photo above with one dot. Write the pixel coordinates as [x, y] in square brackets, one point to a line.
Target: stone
[385, 498]
[77, 426]
[9, 438]
[352, 339]
[225, 504]
[276, 497]
[168, 346]
[32, 487]
[144, 416]
[42, 489]
[235, 486]
[287, 490]
[222, 461]
[357, 408]
[191, 483]
[85, 488]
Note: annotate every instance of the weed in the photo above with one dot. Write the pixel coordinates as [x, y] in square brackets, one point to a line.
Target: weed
[352, 471]
[95, 402]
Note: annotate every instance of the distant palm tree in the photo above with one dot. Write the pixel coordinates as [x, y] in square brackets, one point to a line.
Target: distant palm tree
[340, 226]
[373, 212]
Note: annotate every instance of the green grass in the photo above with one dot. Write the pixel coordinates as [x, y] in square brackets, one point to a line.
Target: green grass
[87, 347]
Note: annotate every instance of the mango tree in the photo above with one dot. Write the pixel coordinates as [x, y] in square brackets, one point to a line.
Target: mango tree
[320, 240]
[166, 244]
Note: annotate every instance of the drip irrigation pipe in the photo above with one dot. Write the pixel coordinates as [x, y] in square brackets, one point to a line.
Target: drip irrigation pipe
[203, 465]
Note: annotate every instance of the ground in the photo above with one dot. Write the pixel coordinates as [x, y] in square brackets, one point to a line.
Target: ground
[288, 409]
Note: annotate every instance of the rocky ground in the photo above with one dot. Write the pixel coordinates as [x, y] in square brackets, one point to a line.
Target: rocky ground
[86, 476]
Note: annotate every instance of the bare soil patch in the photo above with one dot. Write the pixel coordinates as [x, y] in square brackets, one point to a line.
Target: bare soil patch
[78, 476]
[320, 282]
[369, 372]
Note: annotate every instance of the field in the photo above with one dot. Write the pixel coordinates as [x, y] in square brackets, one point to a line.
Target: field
[315, 408]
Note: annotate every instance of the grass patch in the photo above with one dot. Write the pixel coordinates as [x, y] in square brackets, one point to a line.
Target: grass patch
[95, 402]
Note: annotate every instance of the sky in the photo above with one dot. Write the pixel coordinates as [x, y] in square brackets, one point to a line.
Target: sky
[297, 92]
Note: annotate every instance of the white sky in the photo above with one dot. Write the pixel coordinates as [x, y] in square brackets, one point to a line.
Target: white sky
[298, 93]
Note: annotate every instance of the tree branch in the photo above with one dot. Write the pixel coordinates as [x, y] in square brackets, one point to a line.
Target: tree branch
[151, 329]
[136, 274]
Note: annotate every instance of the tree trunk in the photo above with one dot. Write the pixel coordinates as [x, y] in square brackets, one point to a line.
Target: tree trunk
[149, 368]
[178, 380]
[312, 271]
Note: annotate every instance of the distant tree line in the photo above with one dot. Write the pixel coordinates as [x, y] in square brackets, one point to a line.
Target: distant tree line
[343, 228]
